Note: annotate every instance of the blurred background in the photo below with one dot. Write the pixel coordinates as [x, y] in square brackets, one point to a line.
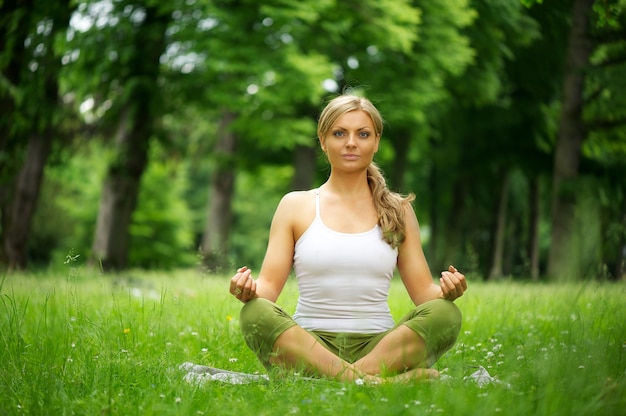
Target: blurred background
[162, 134]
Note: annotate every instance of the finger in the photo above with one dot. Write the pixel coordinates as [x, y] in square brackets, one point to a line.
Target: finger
[460, 276]
[247, 287]
[251, 294]
[233, 283]
[448, 282]
[248, 292]
[238, 282]
[459, 282]
[463, 281]
[244, 279]
[444, 289]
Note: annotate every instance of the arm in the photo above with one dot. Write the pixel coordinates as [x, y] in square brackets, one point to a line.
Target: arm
[415, 272]
[277, 262]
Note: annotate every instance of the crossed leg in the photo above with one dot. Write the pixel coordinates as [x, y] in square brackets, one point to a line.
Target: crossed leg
[401, 352]
[400, 355]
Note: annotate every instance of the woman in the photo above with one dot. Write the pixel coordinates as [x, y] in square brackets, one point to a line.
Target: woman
[344, 241]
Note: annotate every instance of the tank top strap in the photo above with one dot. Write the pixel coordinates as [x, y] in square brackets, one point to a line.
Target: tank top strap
[317, 203]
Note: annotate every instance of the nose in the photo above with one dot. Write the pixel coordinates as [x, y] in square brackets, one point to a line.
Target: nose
[351, 140]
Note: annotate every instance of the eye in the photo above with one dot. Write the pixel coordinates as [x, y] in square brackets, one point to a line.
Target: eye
[364, 134]
[338, 133]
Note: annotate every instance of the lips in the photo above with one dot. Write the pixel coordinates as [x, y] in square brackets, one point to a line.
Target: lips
[350, 157]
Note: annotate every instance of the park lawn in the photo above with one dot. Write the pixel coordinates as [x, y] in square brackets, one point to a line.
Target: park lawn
[80, 342]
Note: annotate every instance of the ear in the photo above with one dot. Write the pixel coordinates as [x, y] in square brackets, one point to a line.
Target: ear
[377, 143]
[322, 146]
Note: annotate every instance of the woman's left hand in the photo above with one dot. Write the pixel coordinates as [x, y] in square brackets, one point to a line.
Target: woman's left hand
[452, 283]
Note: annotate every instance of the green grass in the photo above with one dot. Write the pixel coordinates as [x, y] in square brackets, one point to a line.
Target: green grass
[90, 344]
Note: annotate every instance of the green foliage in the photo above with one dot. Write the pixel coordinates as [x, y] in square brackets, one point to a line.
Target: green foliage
[29, 73]
[256, 198]
[86, 343]
[470, 91]
[609, 12]
[66, 216]
[529, 3]
[605, 106]
[161, 231]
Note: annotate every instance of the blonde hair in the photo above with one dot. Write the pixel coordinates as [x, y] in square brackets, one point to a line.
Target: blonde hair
[390, 206]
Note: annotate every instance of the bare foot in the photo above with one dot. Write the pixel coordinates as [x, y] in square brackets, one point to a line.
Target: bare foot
[417, 374]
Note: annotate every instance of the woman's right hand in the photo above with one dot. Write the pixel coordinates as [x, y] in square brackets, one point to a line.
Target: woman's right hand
[242, 285]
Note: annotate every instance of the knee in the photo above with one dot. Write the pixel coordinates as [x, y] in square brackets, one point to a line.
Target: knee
[251, 313]
[261, 318]
[450, 314]
[262, 321]
[448, 320]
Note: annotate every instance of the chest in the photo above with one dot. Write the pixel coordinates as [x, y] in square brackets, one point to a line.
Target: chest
[349, 218]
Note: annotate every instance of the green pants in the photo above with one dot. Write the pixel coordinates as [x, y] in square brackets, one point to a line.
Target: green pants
[437, 322]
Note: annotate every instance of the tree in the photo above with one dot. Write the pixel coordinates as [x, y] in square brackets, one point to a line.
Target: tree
[29, 101]
[604, 149]
[289, 51]
[222, 182]
[479, 135]
[572, 132]
[249, 57]
[130, 62]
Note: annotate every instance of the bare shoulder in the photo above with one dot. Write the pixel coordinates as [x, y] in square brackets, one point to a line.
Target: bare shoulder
[298, 209]
[411, 226]
[409, 214]
[298, 198]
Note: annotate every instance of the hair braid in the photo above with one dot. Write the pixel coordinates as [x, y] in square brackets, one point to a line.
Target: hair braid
[389, 207]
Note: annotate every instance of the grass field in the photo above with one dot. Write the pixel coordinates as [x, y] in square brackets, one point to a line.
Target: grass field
[87, 344]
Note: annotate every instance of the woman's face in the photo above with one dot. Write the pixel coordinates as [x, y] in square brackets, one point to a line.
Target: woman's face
[351, 142]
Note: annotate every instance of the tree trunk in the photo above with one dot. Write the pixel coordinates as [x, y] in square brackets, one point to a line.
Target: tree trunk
[499, 232]
[568, 148]
[534, 213]
[120, 191]
[12, 138]
[304, 161]
[121, 187]
[221, 188]
[15, 28]
[29, 143]
[25, 200]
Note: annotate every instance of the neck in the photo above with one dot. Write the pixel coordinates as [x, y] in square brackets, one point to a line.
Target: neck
[348, 185]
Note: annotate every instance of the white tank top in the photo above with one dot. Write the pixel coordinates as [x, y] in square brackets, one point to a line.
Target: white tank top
[343, 279]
